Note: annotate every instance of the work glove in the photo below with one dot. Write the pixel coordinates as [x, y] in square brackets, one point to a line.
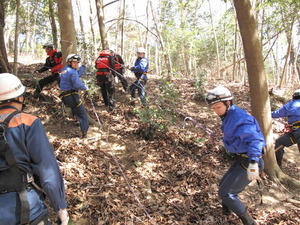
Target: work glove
[63, 216]
[253, 171]
[221, 143]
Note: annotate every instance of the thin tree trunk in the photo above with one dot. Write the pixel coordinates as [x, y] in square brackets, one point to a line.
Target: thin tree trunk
[285, 63]
[161, 41]
[235, 51]
[122, 28]
[3, 54]
[100, 15]
[53, 24]
[91, 23]
[16, 47]
[140, 32]
[216, 40]
[157, 66]
[83, 34]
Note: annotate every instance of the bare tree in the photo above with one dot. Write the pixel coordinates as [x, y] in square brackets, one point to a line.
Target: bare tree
[161, 41]
[3, 54]
[100, 15]
[53, 24]
[215, 38]
[15, 68]
[260, 102]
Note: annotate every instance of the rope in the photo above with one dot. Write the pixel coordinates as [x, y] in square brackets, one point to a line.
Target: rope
[118, 72]
[121, 170]
[72, 42]
[129, 185]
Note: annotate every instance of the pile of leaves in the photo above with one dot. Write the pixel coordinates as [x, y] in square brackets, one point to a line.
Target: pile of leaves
[117, 176]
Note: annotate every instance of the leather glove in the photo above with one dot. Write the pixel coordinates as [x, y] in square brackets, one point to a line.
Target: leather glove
[63, 216]
[253, 171]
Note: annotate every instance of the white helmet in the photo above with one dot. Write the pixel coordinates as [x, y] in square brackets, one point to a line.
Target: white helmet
[218, 94]
[48, 45]
[10, 87]
[296, 94]
[140, 50]
[73, 58]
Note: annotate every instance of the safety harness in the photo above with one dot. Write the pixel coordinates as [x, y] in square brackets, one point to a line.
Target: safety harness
[296, 125]
[289, 128]
[14, 179]
[65, 94]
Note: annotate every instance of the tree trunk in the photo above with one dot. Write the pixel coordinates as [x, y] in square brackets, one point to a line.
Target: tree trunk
[260, 102]
[53, 24]
[289, 40]
[235, 52]
[67, 28]
[3, 54]
[16, 47]
[100, 15]
[122, 28]
[4, 61]
[216, 41]
[161, 41]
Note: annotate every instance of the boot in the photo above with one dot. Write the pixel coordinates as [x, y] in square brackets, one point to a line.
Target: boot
[247, 219]
[133, 101]
[84, 135]
[225, 210]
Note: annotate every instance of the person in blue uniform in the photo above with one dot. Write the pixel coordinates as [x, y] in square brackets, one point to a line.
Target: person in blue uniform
[291, 110]
[242, 137]
[70, 84]
[26, 162]
[140, 70]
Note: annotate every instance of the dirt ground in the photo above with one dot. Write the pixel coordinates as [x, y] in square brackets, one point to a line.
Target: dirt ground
[118, 177]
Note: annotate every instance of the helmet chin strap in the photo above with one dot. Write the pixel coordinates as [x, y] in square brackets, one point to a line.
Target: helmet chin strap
[227, 108]
[17, 101]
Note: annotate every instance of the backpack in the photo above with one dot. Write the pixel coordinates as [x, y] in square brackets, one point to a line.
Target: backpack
[13, 179]
[104, 63]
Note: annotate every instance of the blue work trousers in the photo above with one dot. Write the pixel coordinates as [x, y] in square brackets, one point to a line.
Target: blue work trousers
[286, 140]
[73, 101]
[81, 115]
[140, 86]
[234, 182]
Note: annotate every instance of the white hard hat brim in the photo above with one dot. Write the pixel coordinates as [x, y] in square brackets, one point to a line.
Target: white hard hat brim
[10, 87]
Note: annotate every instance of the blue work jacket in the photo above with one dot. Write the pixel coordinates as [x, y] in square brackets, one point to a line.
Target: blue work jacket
[140, 67]
[33, 153]
[242, 133]
[291, 110]
[70, 79]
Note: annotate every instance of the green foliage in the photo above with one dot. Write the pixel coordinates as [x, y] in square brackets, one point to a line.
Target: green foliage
[155, 121]
[168, 91]
[200, 81]
[159, 117]
[89, 81]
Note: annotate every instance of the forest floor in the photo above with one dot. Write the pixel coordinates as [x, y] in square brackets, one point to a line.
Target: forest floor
[120, 175]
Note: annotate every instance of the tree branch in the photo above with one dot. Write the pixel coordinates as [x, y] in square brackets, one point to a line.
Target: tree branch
[110, 3]
[136, 22]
